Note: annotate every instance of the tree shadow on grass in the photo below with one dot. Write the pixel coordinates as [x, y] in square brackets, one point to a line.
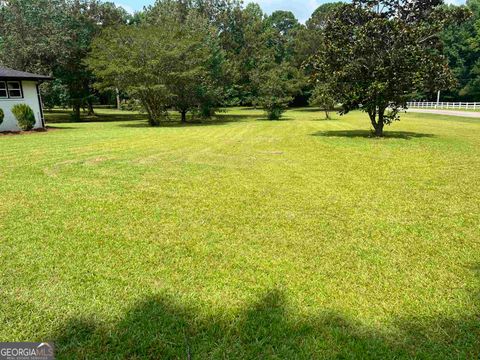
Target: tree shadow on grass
[60, 116]
[236, 117]
[313, 110]
[324, 118]
[55, 128]
[307, 109]
[283, 118]
[163, 328]
[405, 135]
[220, 119]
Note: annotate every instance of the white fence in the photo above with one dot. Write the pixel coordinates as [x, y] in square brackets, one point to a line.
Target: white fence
[445, 105]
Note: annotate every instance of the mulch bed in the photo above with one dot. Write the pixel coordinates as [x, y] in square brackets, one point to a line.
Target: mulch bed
[34, 131]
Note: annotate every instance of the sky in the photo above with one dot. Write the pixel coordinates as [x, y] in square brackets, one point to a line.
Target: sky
[301, 8]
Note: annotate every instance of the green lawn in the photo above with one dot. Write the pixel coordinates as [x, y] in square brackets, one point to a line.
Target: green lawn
[243, 238]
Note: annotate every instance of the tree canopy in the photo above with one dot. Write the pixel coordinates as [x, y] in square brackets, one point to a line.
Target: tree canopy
[381, 51]
[371, 54]
[54, 37]
[165, 65]
[462, 48]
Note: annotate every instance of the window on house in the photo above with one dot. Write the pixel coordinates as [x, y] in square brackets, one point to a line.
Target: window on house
[14, 90]
[3, 90]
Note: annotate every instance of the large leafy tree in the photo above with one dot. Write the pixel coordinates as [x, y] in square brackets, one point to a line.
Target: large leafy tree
[170, 64]
[281, 30]
[319, 18]
[195, 77]
[54, 37]
[245, 48]
[86, 19]
[462, 47]
[126, 58]
[32, 33]
[247, 36]
[380, 51]
[309, 37]
[234, 27]
[308, 40]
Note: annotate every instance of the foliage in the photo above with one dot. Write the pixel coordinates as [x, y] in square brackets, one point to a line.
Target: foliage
[131, 105]
[277, 86]
[169, 64]
[32, 33]
[281, 30]
[25, 116]
[55, 93]
[85, 21]
[463, 52]
[2, 116]
[128, 58]
[244, 53]
[382, 51]
[324, 97]
[245, 35]
[309, 38]
[54, 37]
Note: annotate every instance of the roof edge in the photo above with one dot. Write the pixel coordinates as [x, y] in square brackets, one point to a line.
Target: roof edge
[10, 74]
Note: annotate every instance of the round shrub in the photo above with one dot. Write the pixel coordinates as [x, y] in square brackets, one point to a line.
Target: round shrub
[275, 112]
[2, 116]
[25, 116]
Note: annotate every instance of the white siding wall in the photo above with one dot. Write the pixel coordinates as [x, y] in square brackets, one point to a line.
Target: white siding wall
[30, 98]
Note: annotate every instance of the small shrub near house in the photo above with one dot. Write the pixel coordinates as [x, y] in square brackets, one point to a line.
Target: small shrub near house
[25, 116]
[2, 116]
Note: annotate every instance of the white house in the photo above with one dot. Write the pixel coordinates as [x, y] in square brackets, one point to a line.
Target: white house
[18, 87]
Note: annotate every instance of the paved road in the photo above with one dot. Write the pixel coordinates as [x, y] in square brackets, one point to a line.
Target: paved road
[470, 114]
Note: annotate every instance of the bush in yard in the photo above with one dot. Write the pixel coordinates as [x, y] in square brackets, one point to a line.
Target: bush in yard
[274, 106]
[2, 116]
[324, 96]
[278, 83]
[25, 116]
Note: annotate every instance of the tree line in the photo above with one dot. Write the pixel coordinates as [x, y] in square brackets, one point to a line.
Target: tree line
[193, 56]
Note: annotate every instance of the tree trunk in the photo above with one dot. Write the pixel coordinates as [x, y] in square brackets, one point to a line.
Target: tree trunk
[377, 124]
[327, 115]
[91, 112]
[380, 123]
[152, 120]
[117, 93]
[76, 112]
[379, 129]
[184, 116]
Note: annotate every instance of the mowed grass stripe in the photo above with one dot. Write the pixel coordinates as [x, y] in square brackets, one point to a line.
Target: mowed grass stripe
[302, 238]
